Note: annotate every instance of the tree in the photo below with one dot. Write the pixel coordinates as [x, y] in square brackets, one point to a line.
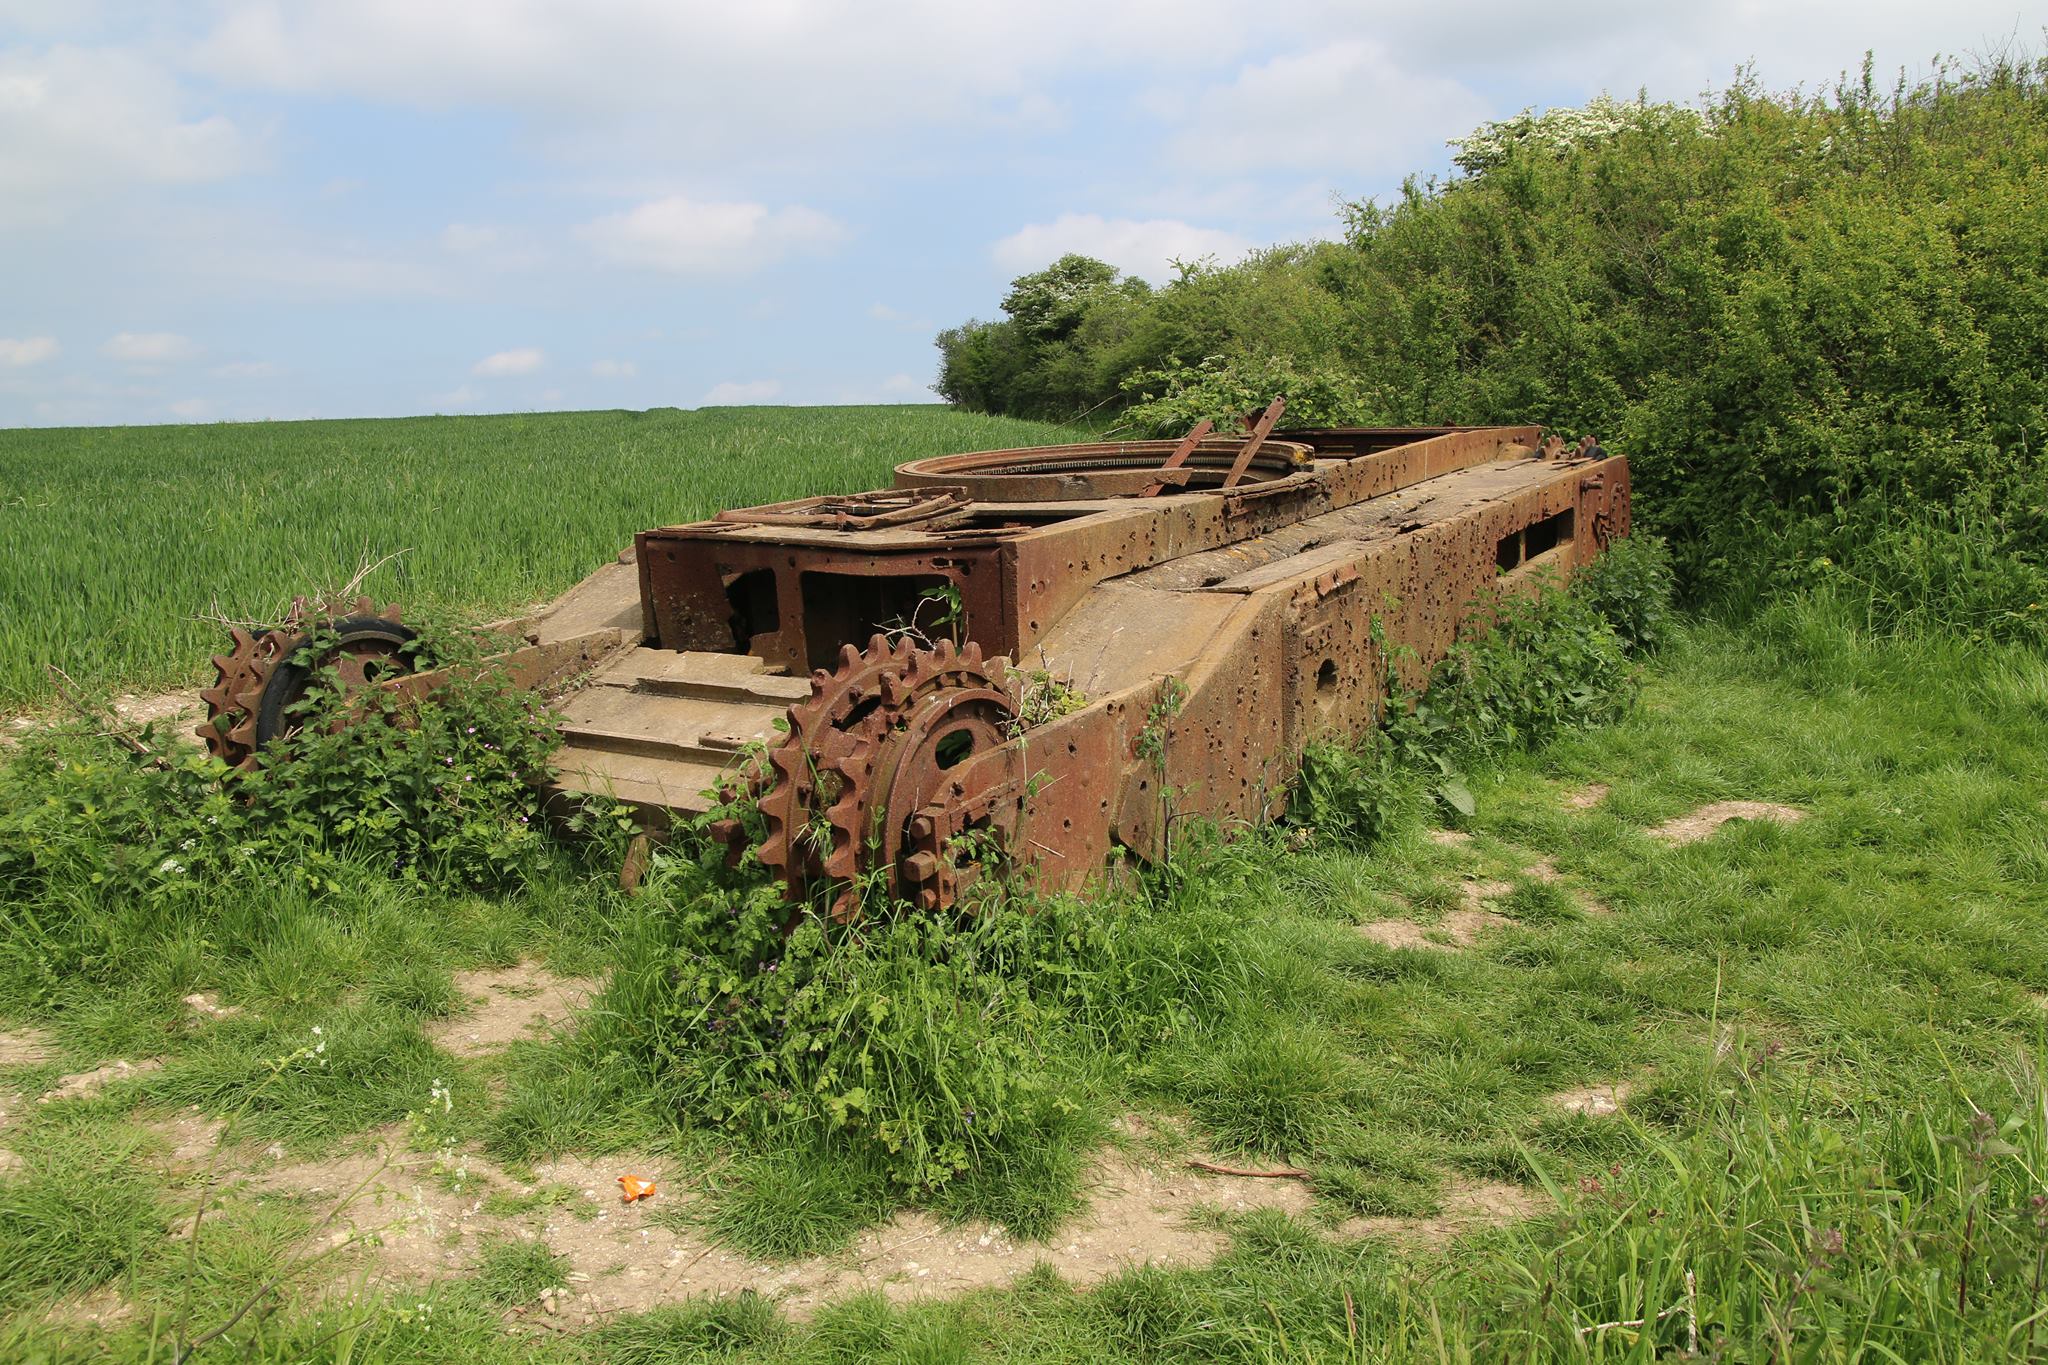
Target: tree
[1048, 304]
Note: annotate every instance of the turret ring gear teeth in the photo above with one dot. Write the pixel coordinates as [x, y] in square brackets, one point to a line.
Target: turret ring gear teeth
[868, 748]
[267, 673]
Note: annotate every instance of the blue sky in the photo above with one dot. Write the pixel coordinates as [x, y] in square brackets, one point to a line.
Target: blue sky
[248, 209]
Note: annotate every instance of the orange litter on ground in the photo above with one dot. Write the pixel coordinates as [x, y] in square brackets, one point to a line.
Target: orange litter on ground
[634, 1187]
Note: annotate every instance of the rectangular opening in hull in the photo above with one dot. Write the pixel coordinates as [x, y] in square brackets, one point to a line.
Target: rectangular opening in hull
[848, 607]
[755, 611]
[1547, 534]
[1533, 541]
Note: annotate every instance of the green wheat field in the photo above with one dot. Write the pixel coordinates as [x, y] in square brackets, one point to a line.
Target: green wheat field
[120, 541]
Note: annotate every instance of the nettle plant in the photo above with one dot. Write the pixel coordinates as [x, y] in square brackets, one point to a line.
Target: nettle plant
[1559, 660]
[894, 1037]
[448, 785]
[447, 788]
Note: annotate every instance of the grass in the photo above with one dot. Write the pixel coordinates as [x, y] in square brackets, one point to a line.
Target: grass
[1829, 1031]
[120, 538]
[792, 1203]
[1810, 1016]
[516, 1272]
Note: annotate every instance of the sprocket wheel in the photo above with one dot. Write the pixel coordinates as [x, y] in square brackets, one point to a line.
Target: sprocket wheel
[865, 753]
[258, 682]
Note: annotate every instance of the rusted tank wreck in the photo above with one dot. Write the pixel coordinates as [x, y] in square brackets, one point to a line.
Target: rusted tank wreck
[1032, 646]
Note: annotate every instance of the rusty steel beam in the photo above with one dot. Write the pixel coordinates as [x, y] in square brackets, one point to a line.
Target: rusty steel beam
[1177, 459]
[1259, 432]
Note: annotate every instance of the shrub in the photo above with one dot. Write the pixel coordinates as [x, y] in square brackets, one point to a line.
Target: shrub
[98, 842]
[1529, 668]
[1789, 311]
[1173, 398]
[1630, 586]
[898, 1040]
[1548, 663]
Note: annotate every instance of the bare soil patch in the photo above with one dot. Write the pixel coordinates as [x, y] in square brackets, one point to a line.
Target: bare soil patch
[1449, 838]
[25, 1047]
[191, 1137]
[86, 1084]
[1458, 929]
[1545, 871]
[1138, 1215]
[1467, 1205]
[1587, 797]
[176, 713]
[1693, 827]
[170, 712]
[101, 1307]
[1594, 1101]
[509, 1004]
[421, 1216]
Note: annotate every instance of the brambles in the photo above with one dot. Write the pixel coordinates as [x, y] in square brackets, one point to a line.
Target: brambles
[445, 791]
[1630, 586]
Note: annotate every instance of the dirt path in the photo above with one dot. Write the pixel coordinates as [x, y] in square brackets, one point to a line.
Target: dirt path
[417, 1217]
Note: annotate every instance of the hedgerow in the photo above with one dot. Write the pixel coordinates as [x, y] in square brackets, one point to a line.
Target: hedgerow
[1808, 320]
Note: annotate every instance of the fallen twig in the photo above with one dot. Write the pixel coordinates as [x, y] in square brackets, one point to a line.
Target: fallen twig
[364, 568]
[110, 720]
[1632, 1322]
[1689, 1310]
[1277, 1173]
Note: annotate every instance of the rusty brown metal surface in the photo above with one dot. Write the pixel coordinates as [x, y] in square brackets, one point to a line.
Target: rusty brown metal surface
[1096, 470]
[1168, 474]
[260, 681]
[1259, 431]
[891, 652]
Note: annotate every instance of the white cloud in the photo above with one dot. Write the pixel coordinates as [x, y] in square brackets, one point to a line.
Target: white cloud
[491, 246]
[734, 391]
[685, 236]
[245, 369]
[469, 237]
[909, 322]
[27, 350]
[848, 69]
[455, 400]
[897, 388]
[191, 409]
[523, 360]
[1307, 111]
[614, 369]
[1145, 247]
[149, 348]
[75, 119]
[835, 71]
